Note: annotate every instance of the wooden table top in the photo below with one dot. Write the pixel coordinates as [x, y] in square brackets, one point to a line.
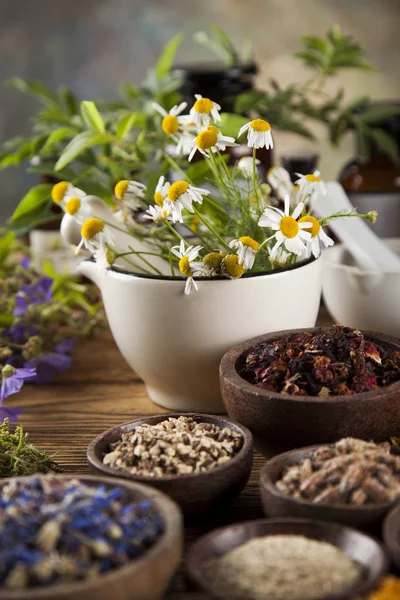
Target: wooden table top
[101, 391]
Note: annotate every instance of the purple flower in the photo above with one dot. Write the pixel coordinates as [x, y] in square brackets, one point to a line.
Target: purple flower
[26, 263]
[48, 365]
[20, 332]
[13, 380]
[9, 413]
[65, 347]
[38, 293]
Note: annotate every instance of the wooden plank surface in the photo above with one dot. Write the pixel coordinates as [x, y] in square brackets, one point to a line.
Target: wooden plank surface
[101, 391]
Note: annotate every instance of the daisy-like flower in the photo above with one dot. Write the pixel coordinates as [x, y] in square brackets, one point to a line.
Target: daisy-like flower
[161, 191]
[212, 263]
[185, 143]
[77, 208]
[246, 249]
[131, 193]
[279, 258]
[317, 234]
[95, 235]
[158, 214]
[188, 265]
[203, 110]
[288, 230]
[280, 180]
[245, 164]
[258, 134]
[171, 122]
[311, 183]
[123, 215]
[211, 140]
[231, 268]
[105, 257]
[182, 194]
[64, 191]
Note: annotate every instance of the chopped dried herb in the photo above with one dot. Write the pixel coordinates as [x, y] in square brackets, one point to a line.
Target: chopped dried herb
[337, 361]
[18, 457]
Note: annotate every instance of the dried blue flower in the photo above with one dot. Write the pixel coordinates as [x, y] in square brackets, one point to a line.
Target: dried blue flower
[47, 366]
[13, 379]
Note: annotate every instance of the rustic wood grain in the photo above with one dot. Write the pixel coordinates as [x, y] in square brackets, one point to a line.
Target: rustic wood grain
[99, 392]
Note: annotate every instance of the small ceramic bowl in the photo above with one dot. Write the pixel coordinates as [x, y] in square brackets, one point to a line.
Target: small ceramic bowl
[391, 534]
[143, 579]
[360, 547]
[194, 493]
[278, 504]
[361, 299]
[293, 421]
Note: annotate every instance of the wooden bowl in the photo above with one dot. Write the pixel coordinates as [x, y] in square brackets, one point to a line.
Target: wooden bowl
[360, 547]
[194, 493]
[391, 534]
[278, 504]
[143, 579]
[293, 421]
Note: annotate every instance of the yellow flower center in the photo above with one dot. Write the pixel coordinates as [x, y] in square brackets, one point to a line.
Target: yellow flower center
[260, 125]
[232, 267]
[312, 177]
[176, 190]
[121, 188]
[184, 266]
[158, 198]
[213, 260]
[214, 129]
[314, 227]
[58, 191]
[296, 188]
[170, 124]
[289, 227]
[72, 206]
[271, 170]
[206, 139]
[194, 226]
[248, 241]
[92, 227]
[203, 105]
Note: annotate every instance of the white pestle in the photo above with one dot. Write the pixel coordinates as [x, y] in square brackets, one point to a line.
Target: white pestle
[367, 249]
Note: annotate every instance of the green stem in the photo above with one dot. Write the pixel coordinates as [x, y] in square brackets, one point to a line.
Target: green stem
[265, 242]
[175, 166]
[157, 271]
[176, 233]
[212, 230]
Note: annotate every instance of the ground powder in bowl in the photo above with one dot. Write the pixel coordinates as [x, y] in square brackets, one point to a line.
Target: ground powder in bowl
[282, 567]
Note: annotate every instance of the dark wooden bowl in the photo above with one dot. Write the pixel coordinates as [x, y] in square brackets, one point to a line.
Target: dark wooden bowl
[142, 579]
[293, 421]
[277, 504]
[360, 547]
[391, 534]
[194, 493]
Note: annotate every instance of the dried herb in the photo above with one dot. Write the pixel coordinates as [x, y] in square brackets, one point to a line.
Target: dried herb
[335, 361]
[18, 457]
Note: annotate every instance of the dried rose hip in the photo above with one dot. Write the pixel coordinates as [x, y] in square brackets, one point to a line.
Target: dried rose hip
[333, 361]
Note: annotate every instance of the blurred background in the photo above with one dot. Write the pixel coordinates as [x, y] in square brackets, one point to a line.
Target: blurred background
[92, 46]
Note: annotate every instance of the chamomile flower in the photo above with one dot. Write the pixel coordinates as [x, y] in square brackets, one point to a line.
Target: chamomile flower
[171, 120]
[182, 194]
[245, 164]
[212, 263]
[64, 191]
[203, 110]
[123, 215]
[288, 230]
[161, 191]
[279, 258]
[78, 209]
[311, 183]
[158, 214]
[246, 249]
[317, 234]
[105, 257]
[185, 143]
[231, 268]
[188, 265]
[211, 140]
[94, 235]
[131, 193]
[258, 134]
[280, 180]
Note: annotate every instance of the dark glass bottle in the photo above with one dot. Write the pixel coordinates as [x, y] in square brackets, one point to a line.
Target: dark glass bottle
[375, 184]
[222, 84]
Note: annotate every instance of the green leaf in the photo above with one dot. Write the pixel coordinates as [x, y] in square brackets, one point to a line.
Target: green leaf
[385, 142]
[43, 214]
[377, 114]
[69, 99]
[56, 137]
[166, 60]
[125, 124]
[231, 123]
[92, 117]
[6, 320]
[217, 39]
[35, 198]
[77, 145]
[34, 88]
[6, 245]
